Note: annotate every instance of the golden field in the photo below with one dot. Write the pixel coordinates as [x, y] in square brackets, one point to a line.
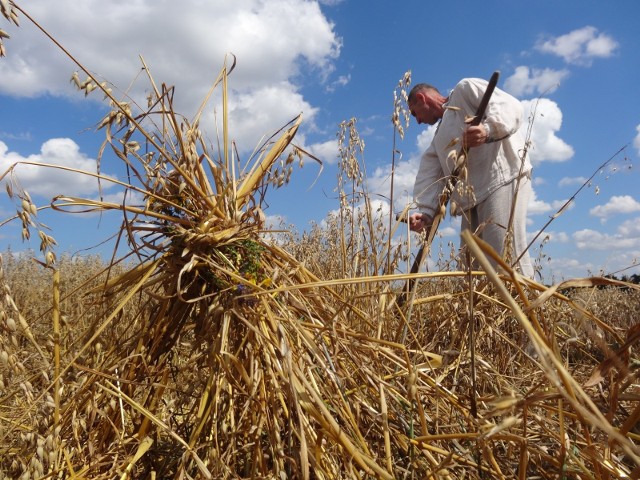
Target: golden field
[215, 348]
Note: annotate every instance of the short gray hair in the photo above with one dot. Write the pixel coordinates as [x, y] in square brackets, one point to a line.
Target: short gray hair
[420, 87]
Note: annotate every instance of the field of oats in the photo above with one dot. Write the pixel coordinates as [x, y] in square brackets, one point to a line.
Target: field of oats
[214, 349]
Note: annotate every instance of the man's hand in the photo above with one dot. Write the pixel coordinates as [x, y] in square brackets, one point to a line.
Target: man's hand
[474, 136]
[419, 222]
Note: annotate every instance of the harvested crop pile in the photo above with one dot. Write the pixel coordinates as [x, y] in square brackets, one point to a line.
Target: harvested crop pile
[218, 351]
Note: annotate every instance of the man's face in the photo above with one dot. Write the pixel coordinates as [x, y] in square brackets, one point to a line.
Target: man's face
[423, 108]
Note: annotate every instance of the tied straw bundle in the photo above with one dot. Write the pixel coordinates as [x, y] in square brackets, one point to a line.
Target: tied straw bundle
[220, 355]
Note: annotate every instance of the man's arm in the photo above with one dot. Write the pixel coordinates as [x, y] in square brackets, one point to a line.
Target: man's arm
[429, 183]
[502, 118]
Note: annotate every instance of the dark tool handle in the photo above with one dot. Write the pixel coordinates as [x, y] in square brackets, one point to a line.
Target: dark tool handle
[493, 81]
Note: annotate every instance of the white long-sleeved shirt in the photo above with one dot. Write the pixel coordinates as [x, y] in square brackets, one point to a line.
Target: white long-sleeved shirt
[490, 165]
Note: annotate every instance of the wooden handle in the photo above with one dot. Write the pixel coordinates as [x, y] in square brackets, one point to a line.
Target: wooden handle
[493, 81]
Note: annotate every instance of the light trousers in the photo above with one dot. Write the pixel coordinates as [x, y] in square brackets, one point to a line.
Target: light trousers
[490, 220]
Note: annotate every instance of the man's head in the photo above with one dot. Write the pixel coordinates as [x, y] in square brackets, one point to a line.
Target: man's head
[425, 103]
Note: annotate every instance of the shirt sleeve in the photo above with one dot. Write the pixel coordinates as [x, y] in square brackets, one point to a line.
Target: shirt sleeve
[429, 183]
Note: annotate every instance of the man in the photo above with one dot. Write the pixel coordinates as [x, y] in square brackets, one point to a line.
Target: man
[498, 179]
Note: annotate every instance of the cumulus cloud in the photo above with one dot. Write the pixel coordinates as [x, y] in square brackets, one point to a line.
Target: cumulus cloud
[630, 228]
[594, 240]
[545, 143]
[580, 46]
[184, 45]
[616, 204]
[48, 181]
[425, 137]
[537, 206]
[559, 237]
[534, 81]
[341, 81]
[379, 211]
[327, 152]
[571, 181]
[273, 222]
[449, 231]
[246, 121]
[560, 268]
[20, 136]
[404, 175]
[538, 180]
[548, 236]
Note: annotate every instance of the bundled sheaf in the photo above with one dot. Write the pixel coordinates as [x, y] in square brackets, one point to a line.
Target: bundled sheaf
[211, 348]
[217, 354]
[221, 371]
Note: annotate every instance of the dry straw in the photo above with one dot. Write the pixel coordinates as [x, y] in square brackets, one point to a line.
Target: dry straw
[223, 353]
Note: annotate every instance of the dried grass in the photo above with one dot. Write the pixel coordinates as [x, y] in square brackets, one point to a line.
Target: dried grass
[219, 352]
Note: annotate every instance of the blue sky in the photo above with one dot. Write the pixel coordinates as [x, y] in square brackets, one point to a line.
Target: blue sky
[577, 60]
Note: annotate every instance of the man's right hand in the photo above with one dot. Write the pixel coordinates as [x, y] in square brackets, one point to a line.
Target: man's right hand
[419, 222]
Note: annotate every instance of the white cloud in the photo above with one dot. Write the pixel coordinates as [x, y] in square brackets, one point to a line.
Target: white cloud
[538, 180]
[537, 206]
[594, 240]
[564, 263]
[449, 231]
[534, 81]
[273, 105]
[21, 136]
[560, 268]
[547, 120]
[379, 212]
[275, 223]
[327, 152]
[548, 236]
[48, 181]
[425, 137]
[616, 204]
[570, 181]
[625, 262]
[580, 46]
[630, 228]
[559, 237]
[404, 176]
[341, 81]
[636, 141]
[184, 45]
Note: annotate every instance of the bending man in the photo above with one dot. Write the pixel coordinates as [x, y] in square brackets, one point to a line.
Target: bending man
[498, 181]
